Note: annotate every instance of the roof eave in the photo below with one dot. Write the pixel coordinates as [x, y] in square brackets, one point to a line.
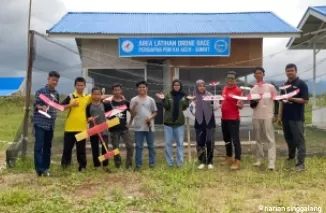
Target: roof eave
[310, 11]
[116, 36]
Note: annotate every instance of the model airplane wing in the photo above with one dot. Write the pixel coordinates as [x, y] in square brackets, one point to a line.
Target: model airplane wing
[215, 83]
[44, 113]
[115, 111]
[252, 96]
[108, 155]
[51, 103]
[213, 98]
[285, 87]
[97, 129]
[288, 95]
[245, 88]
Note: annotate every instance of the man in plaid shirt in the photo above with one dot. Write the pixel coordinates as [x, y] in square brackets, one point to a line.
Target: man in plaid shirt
[44, 126]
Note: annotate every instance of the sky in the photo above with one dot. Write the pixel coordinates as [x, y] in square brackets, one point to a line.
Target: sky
[45, 13]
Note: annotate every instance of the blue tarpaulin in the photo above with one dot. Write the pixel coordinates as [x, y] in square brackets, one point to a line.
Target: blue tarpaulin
[10, 85]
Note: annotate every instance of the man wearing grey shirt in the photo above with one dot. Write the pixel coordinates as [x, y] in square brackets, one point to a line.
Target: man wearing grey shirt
[143, 112]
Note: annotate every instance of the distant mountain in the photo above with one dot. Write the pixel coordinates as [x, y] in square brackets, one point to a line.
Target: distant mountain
[320, 87]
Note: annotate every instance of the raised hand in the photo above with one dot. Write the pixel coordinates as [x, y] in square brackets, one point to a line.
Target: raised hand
[44, 108]
[240, 104]
[160, 95]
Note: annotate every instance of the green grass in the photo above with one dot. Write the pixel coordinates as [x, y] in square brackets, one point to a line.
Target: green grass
[162, 189]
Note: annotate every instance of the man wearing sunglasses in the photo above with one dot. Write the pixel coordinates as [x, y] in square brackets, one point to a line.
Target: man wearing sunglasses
[230, 120]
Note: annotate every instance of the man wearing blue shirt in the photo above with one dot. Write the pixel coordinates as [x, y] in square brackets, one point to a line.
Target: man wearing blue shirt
[44, 126]
[292, 116]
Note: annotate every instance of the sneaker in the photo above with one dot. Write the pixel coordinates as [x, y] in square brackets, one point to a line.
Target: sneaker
[46, 174]
[271, 166]
[258, 163]
[227, 161]
[201, 166]
[81, 169]
[210, 166]
[43, 174]
[298, 168]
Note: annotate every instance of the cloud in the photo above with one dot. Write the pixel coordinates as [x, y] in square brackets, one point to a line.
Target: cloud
[13, 42]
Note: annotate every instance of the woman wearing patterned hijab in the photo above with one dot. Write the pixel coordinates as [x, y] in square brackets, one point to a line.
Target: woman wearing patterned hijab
[204, 126]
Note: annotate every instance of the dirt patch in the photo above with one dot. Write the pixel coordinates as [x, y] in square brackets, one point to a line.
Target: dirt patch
[107, 187]
[10, 180]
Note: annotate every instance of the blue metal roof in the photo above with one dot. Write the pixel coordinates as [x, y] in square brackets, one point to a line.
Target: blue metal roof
[319, 9]
[171, 23]
[10, 85]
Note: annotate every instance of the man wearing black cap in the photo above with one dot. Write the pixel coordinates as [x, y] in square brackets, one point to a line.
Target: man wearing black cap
[264, 114]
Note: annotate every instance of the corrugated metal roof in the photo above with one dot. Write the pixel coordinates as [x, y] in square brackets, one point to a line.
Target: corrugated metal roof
[171, 23]
[311, 11]
[320, 9]
[10, 85]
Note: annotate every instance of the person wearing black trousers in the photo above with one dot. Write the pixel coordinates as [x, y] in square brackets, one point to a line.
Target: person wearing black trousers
[204, 126]
[95, 112]
[230, 121]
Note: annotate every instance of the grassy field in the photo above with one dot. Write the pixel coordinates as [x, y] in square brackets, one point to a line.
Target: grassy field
[162, 189]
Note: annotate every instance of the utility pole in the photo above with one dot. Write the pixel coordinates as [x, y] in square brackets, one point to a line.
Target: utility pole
[28, 80]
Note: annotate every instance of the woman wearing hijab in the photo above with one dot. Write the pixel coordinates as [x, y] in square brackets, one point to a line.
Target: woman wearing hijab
[174, 103]
[204, 126]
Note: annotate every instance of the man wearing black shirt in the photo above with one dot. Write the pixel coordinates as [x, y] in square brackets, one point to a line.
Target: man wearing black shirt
[121, 130]
[292, 116]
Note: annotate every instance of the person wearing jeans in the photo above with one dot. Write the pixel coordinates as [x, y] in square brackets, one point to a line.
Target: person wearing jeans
[174, 103]
[291, 117]
[43, 126]
[143, 112]
[230, 120]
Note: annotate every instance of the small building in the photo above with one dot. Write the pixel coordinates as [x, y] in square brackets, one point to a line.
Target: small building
[157, 47]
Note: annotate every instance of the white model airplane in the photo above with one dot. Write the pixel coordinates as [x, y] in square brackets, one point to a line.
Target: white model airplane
[267, 95]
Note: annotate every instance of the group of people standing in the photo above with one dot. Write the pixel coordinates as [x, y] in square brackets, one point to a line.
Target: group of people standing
[288, 113]
[89, 109]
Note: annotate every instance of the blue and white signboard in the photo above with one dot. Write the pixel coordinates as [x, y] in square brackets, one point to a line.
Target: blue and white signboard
[154, 47]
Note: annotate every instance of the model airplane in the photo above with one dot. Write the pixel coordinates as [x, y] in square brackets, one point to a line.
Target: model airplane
[213, 98]
[97, 129]
[266, 95]
[215, 83]
[115, 111]
[285, 87]
[245, 88]
[108, 154]
[50, 103]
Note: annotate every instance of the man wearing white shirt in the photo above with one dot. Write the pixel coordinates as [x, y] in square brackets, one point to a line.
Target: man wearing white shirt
[264, 115]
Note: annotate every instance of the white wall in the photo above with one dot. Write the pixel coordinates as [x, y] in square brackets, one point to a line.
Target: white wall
[319, 117]
[104, 54]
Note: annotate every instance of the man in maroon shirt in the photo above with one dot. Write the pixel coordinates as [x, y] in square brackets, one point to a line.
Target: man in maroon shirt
[230, 120]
